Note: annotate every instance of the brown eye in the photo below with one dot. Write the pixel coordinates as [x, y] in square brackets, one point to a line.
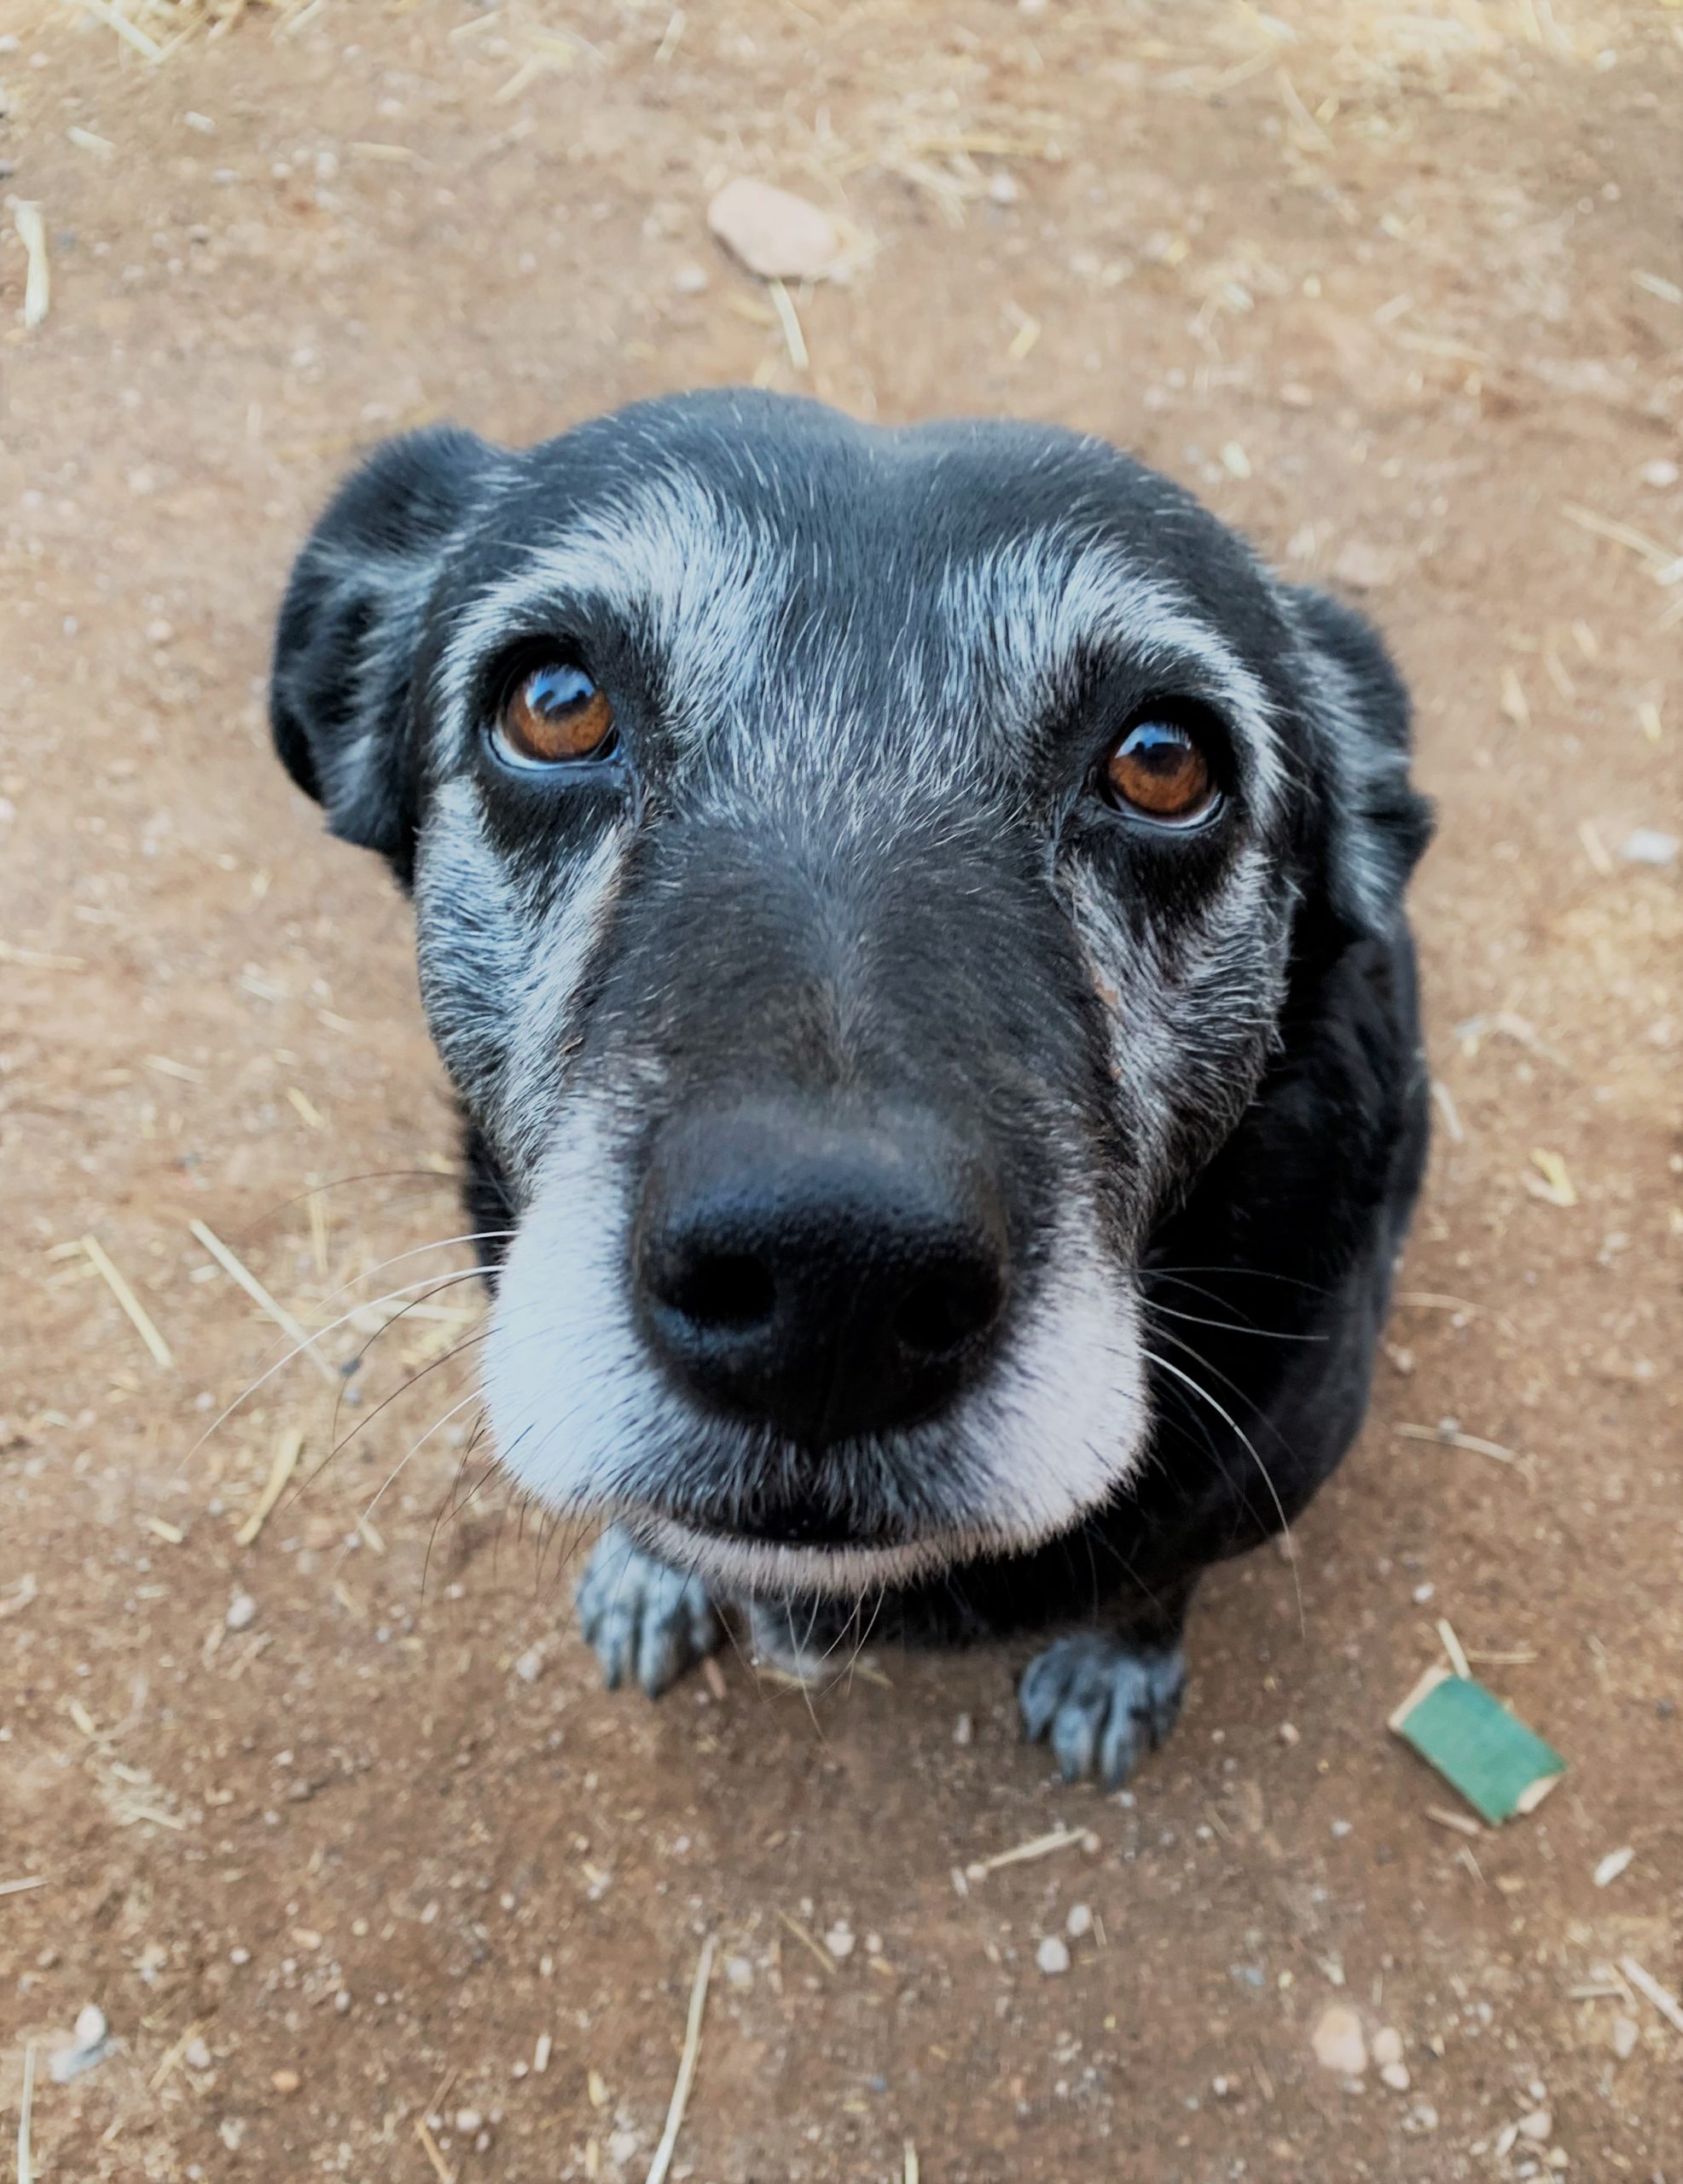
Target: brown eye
[1157, 769]
[557, 714]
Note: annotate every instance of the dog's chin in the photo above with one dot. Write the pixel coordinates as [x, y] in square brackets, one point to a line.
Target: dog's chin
[742, 1563]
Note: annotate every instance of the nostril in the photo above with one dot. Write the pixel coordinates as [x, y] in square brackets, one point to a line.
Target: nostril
[729, 1292]
[938, 1316]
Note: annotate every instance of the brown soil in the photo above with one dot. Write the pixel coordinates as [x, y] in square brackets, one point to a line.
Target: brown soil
[1394, 292]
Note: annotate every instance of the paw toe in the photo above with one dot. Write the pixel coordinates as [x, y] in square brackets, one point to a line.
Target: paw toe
[641, 1619]
[1100, 1704]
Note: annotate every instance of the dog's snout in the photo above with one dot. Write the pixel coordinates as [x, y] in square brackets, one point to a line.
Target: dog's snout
[823, 1279]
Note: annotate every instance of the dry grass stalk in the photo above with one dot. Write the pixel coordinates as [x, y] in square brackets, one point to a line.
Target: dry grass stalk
[429, 2146]
[1646, 1985]
[1462, 1823]
[280, 1470]
[1469, 1441]
[1039, 1846]
[25, 2112]
[260, 1297]
[807, 1942]
[686, 2078]
[139, 1317]
[37, 288]
[19, 1887]
[1452, 1646]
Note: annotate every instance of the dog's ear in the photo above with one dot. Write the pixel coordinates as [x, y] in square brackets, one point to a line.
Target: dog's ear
[1376, 825]
[340, 701]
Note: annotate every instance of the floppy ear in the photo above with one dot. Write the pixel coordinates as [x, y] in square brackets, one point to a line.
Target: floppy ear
[340, 699]
[1377, 824]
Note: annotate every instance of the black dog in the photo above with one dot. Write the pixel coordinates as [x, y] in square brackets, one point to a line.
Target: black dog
[915, 921]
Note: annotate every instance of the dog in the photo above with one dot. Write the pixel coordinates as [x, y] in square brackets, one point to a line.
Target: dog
[915, 921]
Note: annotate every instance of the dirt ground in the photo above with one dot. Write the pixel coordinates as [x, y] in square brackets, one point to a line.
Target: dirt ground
[334, 1823]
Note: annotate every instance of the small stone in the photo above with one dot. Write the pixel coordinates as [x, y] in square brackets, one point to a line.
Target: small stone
[529, 1665]
[1387, 2046]
[739, 1973]
[690, 280]
[196, 2055]
[1002, 189]
[1052, 1956]
[468, 2121]
[1423, 2117]
[1661, 472]
[241, 1611]
[1290, 1734]
[90, 2027]
[964, 1731]
[1625, 2034]
[285, 2081]
[776, 234]
[1079, 1921]
[1339, 2042]
[839, 1940]
[1648, 846]
[1395, 2075]
[1537, 2126]
[1364, 566]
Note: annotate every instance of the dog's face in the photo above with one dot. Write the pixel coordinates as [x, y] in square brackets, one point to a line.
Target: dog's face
[858, 875]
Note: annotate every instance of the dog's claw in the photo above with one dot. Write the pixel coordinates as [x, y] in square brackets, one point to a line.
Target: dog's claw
[642, 1618]
[1101, 1703]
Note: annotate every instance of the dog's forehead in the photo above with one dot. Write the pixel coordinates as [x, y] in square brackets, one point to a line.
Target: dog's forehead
[753, 551]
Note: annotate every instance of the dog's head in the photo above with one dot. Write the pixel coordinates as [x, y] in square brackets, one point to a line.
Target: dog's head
[858, 876]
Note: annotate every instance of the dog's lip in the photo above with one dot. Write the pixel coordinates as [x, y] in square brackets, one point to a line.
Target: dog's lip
[753, 1563]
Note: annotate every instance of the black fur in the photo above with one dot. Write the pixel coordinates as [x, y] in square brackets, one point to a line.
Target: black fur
[1257, 1193]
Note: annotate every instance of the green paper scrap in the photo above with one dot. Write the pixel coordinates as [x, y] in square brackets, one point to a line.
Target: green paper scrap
[1499, 1765]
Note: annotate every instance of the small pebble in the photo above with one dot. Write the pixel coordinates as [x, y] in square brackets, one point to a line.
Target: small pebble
[241, 1611]
[839, 1940]
[964, 1730]
[285, 2081]
[690, 280]
[90, 2027]
[1338, 2041]
[739, 1973]
[1395, 2075]
[1079, 1921]
[1387, 2046]
[1625, 2034]
[196, 2055]
[1648, 846]
[1537, 2126]
[468, 2121]
[1661, 472]
[1052, 1956]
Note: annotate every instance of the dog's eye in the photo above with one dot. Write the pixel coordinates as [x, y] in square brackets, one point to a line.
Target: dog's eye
[1159, 769]
[555, 717]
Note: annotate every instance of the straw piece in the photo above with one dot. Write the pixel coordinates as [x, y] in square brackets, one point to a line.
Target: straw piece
[1452, 1646]
[260, 1297]
[161, 1354]
[911, 2172]
[1645, 1984]
[280, 1471]
[794, 340]
[806, 1942]
[18, 1887]
[1471, 1442]
[1620, 534]
[675, 2114]
[429, 2146]
[1039, 1846]
[26, 2110]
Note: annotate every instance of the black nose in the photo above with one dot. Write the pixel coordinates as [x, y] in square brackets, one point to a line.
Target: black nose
[824, 1279]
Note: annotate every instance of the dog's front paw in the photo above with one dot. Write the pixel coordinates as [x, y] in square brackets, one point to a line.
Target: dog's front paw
[1101, 1703]
[643, 1618]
